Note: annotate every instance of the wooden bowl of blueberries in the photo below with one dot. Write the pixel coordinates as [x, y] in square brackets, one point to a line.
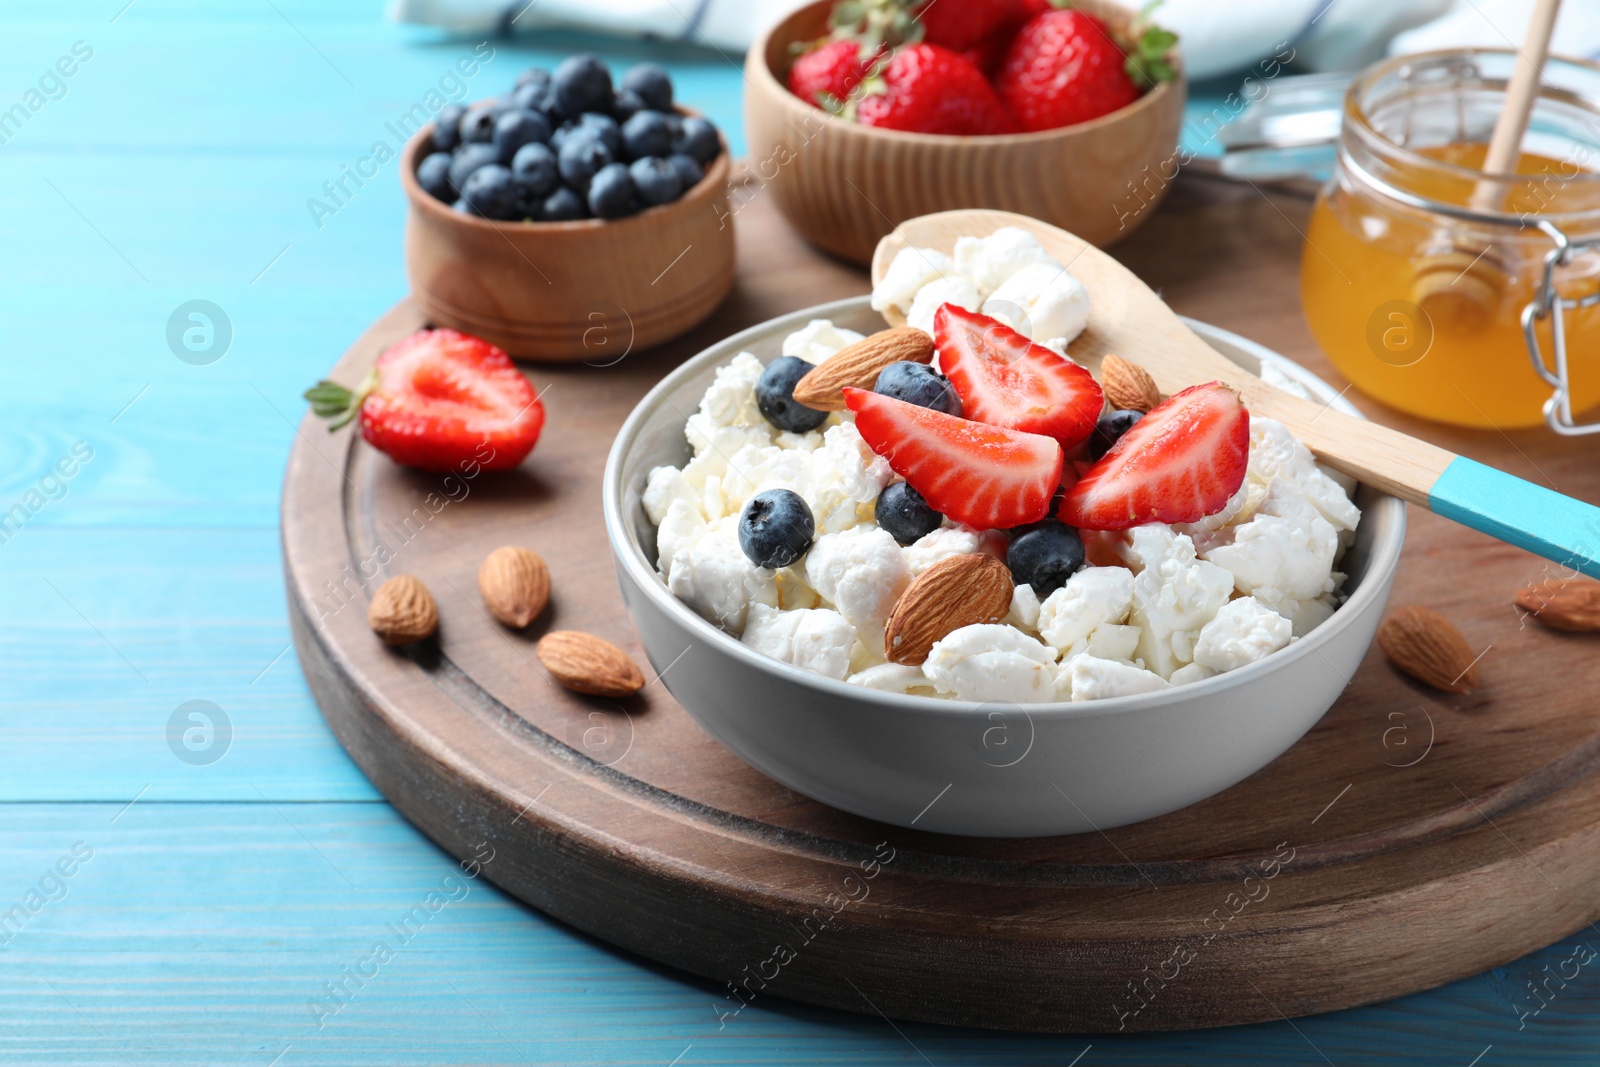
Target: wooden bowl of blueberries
[573, 218]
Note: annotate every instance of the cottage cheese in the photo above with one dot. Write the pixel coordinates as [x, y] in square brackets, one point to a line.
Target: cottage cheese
[1093, 597]
[949, 290]
[1007, 275]
[940, 544]
[714, 578]
[1188, 601]
[813, 639]
[992, 662]
[1241, 632]
[1092, 678]
[908, 272]
[818, 340]
[1043, 302]
[862, 572]
[987, 262]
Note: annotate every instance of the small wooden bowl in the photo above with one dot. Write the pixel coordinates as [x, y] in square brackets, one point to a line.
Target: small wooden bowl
[566, 291]
[844, 186]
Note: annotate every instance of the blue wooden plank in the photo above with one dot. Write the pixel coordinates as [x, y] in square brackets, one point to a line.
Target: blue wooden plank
[176, 166]
[200, 934]
[108, 632]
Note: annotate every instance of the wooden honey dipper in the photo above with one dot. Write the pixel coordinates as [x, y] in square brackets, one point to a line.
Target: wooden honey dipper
[1463, 284]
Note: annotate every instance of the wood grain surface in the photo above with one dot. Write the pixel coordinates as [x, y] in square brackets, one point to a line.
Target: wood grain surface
[1410, 839]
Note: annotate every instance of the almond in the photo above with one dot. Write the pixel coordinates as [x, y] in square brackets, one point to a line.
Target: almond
[585, 663]
[403, 611]
[515, 585]
[1128, 386]
[955, 592]
[1427, 646]
[859, 365]
[1571, 604]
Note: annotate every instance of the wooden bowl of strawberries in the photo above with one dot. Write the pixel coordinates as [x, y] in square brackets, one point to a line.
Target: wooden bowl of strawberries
[861, 114]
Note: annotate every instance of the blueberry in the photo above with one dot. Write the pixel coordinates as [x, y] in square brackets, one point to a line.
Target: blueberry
[653, 85]
[492, 193]
[580, 159]
[776, 528]
[532, 97]
[611, 192]
[775, 395]
[1109, 430]
[919, 384]
[646, 134]
[1045, 556]
[433, 174]
[534, 169]
[477, 126]
[582, 83]
[468, 158]
[534, 76]
[902, 511]
[447, 127]
[516, 128]
[563, 205]
[605, 127]
[689, 172]
[697, 139]
[463, 207]
[655, 181]
[626, 105]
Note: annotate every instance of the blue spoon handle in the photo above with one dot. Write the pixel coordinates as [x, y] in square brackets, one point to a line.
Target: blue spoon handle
[1520, 513]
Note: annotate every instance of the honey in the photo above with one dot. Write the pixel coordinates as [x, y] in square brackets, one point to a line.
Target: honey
[1470, 365]
[1417, 268]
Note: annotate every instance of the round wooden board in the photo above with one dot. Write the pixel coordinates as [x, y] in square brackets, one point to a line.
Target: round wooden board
[1410, 839]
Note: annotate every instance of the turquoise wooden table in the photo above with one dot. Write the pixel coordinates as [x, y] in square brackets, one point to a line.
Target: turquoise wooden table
[204, 883]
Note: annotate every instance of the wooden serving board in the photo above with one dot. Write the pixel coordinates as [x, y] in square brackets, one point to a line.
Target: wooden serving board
[1410, 839]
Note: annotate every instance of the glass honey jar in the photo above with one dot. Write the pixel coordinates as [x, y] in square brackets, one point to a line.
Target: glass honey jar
[1442, 291]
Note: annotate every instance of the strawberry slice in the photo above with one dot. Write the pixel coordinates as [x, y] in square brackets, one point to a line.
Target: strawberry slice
[987, 477]
[1179, 463]
[1005, 379]
[440, 400]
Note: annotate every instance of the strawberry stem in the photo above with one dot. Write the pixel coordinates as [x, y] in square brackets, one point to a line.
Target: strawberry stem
[330, 400]
[1147, 60]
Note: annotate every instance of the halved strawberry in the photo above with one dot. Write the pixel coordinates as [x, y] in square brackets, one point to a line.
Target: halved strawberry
[984, 476]
[1179, 463]
[1005, 379]
[440, 400]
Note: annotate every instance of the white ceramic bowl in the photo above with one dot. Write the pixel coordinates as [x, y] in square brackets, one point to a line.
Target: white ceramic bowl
[982, 769]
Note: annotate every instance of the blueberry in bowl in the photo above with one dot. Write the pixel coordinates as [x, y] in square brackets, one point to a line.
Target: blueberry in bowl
[553, 220]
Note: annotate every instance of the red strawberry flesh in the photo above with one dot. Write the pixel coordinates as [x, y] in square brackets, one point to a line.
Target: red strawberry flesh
[828, 75]
[986, 477]
[1005, 379]
[1063, 68]
[928, 89]
[444, 400]
[1181, 462]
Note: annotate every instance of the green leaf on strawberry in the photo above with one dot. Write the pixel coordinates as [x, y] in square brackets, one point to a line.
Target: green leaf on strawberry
[330, 400]
[1148, 61]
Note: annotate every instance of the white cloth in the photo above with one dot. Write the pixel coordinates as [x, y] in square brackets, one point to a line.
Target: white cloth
[1217, 36]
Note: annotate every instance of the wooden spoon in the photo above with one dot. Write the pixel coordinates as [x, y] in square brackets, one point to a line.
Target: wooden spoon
[1465, 283]
[1127, 319]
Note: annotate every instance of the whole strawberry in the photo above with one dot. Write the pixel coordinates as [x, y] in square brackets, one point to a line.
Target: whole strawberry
[829, 74]
[964, 25]
[439, 401]
[1062, 68]
[928, 89]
